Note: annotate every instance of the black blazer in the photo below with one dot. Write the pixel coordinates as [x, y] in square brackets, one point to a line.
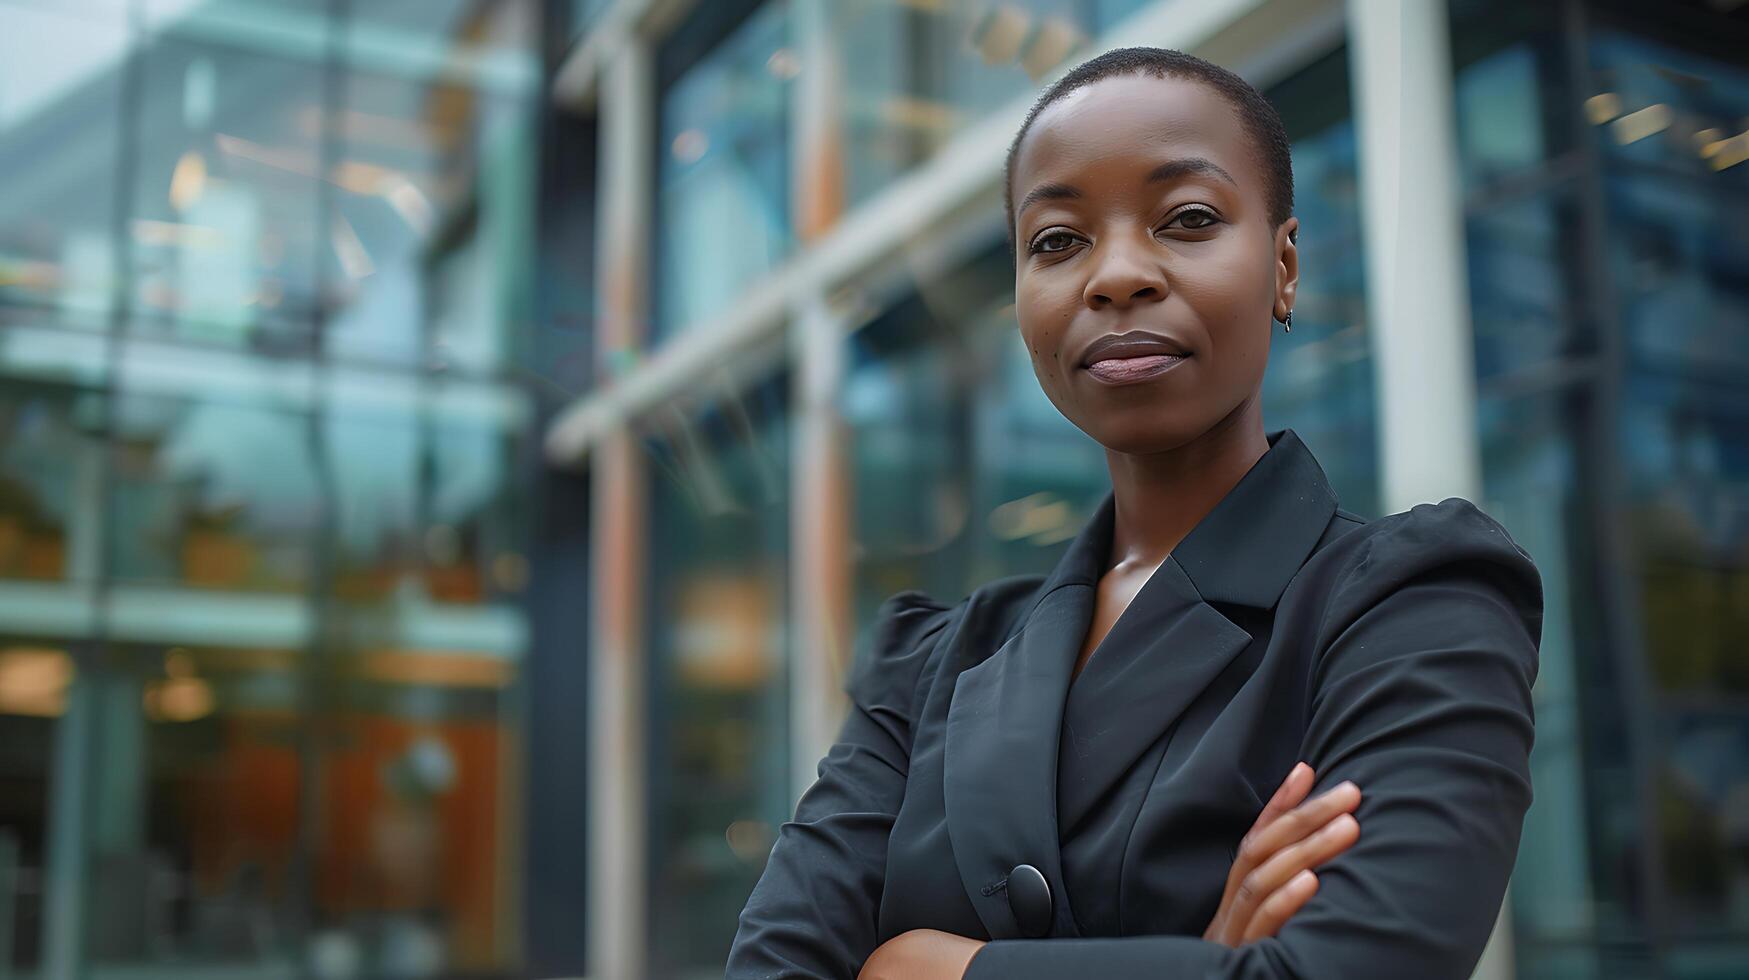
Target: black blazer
[1398, 653]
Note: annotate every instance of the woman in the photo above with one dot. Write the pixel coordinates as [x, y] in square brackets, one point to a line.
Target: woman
[1064, 777]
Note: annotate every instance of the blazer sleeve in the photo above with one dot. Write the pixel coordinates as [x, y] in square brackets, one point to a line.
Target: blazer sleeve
[1421, 694]
[814, 910]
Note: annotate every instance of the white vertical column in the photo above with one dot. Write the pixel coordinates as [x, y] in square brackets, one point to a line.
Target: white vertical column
[819, 486]
[618, 702]
[820, 542]
[1418, 304]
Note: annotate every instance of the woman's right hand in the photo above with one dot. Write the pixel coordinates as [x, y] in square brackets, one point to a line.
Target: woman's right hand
[1272, 877]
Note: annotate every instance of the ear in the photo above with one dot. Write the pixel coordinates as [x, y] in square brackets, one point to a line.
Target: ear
[1287, 267]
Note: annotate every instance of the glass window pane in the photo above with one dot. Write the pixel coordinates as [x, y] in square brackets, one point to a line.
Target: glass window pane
[50, 481]
[1521, 274]
[723, 172]
[60, 98]
[214, 485]
[1319, 381]
[433, 201]
[225, 228]
[916, 75]
[1682, 276]
[475, 530]
[1686, 444]
[36, 678]
[371, 436]
[965, 472]
[1676, 110]
[719, 699]
[1532, 485]
[1499, 115]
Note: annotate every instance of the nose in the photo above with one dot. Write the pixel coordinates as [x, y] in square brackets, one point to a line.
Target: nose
[1124, 274]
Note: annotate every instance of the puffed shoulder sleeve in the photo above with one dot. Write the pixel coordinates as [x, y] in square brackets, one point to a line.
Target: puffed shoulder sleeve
[1420, 694]
[815, 910]
[890, 660]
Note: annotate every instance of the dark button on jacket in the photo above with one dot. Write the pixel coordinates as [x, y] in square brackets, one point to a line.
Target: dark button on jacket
[1398, 653]
[1029, 898]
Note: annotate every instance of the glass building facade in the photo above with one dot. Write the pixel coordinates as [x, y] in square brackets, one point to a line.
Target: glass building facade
[451, 449]
[264, 485]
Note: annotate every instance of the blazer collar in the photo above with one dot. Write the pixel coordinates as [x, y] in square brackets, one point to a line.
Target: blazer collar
[1006, 771]
[1248, 547]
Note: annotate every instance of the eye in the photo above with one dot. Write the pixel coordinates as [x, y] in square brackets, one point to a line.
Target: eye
[1194, 219]
[1037, 245]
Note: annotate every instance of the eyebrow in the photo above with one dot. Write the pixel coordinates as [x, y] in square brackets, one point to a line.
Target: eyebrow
[1168, 171]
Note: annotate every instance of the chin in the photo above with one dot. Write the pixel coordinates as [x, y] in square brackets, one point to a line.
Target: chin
[1141, 433]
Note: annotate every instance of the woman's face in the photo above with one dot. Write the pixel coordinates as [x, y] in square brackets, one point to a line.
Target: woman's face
[1141, 217]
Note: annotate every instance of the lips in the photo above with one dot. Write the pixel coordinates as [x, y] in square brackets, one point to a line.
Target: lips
[1132, 356]
[1131, 344]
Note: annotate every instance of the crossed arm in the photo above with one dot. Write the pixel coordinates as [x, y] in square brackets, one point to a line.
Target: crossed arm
[1270, 880]
[1422, 700]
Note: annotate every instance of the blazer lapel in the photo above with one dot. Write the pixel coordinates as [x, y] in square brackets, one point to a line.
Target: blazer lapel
[999, 770]
[1005, 769]
[999, 762]
[1163, 651]
[1172, 641]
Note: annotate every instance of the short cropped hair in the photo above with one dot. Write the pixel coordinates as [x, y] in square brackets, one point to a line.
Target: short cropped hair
[1261, 122]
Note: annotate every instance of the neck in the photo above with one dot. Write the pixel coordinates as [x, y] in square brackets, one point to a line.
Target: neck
[1160, 497]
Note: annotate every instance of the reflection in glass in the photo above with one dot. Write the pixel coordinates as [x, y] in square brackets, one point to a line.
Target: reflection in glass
[1532, 486]
[217, 494]
[58, 162]
[224, 230]
[1499, 115]
[1319, 381]
[1520, 267]
[277, 737]
[36, 676]
[965, 472]
[719, 684]
[49, 488]
[1672, 110]
[723, 165]
[914, 76]
[1681, 276]
[1686, 446]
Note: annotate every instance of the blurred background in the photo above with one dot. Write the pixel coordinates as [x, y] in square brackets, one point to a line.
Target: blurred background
[449, 449]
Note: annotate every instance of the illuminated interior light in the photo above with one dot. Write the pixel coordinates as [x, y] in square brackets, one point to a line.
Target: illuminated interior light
[783, 64]
[291, 161]
[411, 204]
[1602, 107]
[1641, 123]
[999, 33]
[173, 234]
[1049, 46]
[188, 180]
[34, 681]
[354, 259]
[690, 145]
[1727, 153]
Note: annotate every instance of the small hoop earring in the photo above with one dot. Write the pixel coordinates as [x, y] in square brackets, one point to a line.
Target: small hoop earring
[1289, 322]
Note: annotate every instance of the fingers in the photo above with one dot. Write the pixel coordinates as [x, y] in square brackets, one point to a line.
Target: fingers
[1288, 795]
[1298, 824]
[1330, 840]
[1271, 858]
[1280, 906]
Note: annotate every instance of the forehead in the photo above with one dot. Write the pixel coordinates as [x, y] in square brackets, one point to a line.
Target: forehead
[1132, 120]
